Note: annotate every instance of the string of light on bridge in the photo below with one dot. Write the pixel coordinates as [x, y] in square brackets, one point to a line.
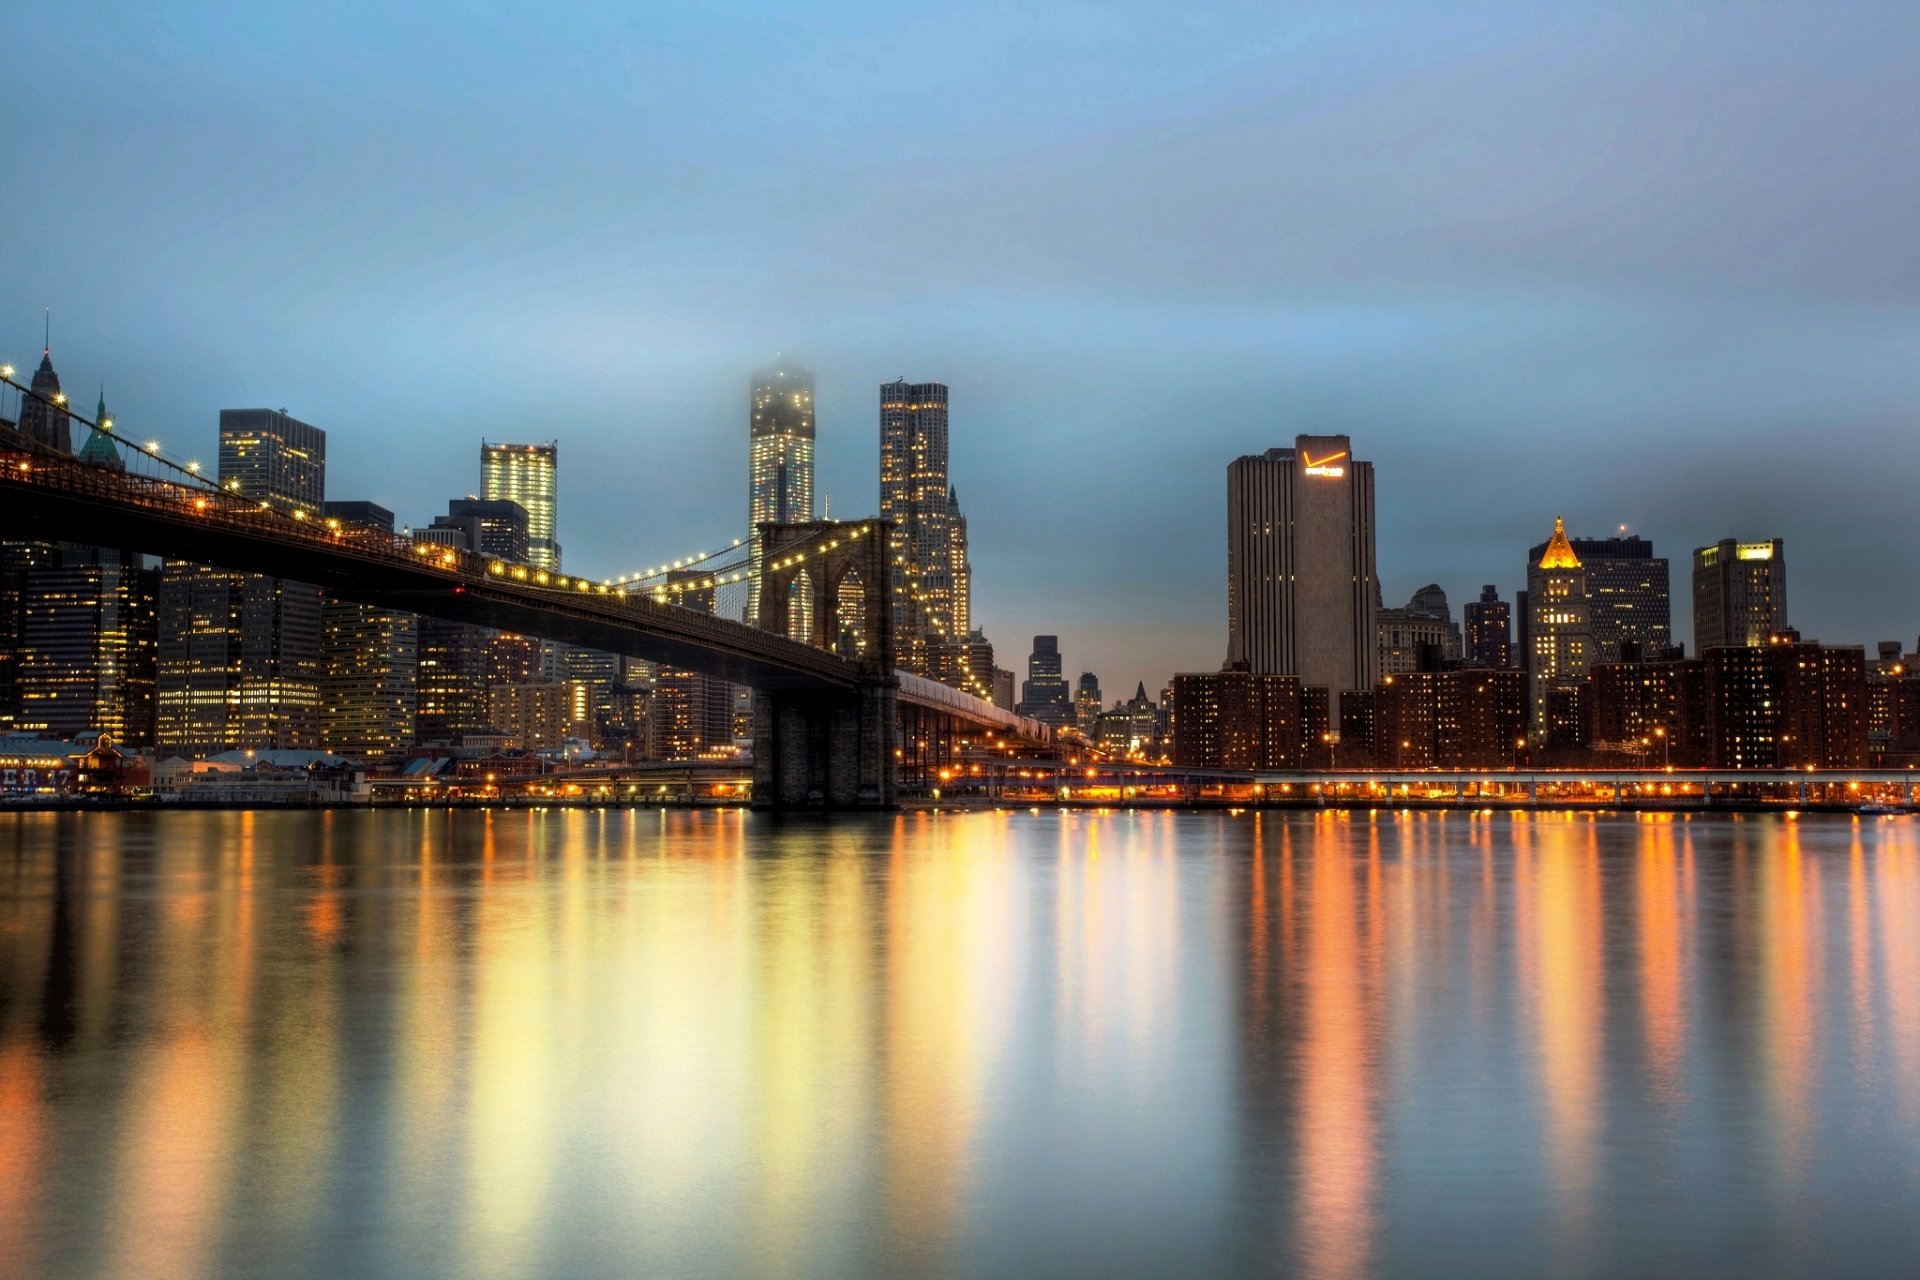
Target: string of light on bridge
[661, 571]
[189, 469]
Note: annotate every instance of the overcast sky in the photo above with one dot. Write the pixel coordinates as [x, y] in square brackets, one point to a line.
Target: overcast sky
[1643, 264]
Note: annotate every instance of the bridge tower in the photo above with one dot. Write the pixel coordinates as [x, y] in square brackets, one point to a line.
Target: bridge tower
[828, 748]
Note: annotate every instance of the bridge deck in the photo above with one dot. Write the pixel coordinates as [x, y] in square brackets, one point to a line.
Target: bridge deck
[60, 498]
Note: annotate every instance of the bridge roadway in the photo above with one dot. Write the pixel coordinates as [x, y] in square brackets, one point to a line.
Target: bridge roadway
[58, 498]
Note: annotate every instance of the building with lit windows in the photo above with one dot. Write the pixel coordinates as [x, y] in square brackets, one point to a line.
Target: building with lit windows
[1421, 636]
[1628, 596]
[1086, 702]
[1489, 637]
[268, 456]
[89, 645]
[528, 474]
[1559, 627]
[540, 713]
[1301, 588]
[241, 654]
[369, 665]
[44, 420]
[916, 496]
[1739, 593]
[492, 528]
[780, 428]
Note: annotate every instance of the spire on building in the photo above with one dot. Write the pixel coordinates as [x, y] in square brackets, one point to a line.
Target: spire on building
[1559, 552]
[98, 448]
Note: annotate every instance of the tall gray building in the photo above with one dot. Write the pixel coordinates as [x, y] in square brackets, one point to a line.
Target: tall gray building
[779, 461]
[1739, 592]
[1300, 574]
[1628, 595]
[43, 414]
[1044, 695]
[241, 654]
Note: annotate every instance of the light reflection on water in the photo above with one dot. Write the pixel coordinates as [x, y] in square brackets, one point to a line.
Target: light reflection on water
[619, 1043]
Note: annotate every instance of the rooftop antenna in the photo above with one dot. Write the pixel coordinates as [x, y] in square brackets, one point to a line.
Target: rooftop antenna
[46, 335]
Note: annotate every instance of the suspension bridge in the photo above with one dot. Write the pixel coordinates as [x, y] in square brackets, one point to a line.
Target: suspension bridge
[834, 719]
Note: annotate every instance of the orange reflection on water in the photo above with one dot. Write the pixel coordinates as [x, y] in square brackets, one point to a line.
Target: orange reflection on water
[1336, 1123]
[952, 966]
[1663, 1007]
[1564, 915]
[22, 1156]
[1789, 951]
[1897, 885]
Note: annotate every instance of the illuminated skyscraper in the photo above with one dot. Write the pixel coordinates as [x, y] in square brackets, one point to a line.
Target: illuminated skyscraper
[267, 456]
[962, 566]
[240, 654]
[779, 459]
[369, 665]
[1301, 593]
[1559, 626]
[1627, 589]
[529, 475]
[1739, 593]
[915, 495]
[89, 644]
[1489, 641]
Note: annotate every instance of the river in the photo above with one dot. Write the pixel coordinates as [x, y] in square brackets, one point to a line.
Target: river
[677, 1043]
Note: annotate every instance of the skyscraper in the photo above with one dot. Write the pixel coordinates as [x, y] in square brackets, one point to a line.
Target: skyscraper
[1559, 625]
[1044, 695]
[915, 495]
[529, 475]
[1300, 576]
[962, 570]
[369, 665]
[1086, 702]
[88, 645]
[779, 460]
[1739, 593]
[1627, 591]
[267, 456]
[240, 654]
[1489, 639]
[43, 414]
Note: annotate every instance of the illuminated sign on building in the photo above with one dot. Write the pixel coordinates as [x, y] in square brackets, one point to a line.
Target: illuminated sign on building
[1755, 551]
[1324, 466]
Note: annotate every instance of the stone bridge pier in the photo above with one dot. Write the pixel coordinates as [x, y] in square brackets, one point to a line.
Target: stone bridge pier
[828, 584]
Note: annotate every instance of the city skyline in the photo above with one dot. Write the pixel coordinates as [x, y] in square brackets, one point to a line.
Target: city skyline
[1510, 296]
[1682, 624]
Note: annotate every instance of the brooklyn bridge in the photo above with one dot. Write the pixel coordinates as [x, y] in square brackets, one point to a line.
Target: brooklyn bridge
[833, 714]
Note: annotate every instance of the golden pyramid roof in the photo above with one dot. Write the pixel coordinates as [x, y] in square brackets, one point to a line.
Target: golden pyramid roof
[1559, 552]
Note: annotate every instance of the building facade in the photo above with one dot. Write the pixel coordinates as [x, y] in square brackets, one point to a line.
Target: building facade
[1739, 593]
[780, 427]
[1301, 588]
[241, 654]
[1628, 596]
[1560, 645]
[916, 495]
[1421, 636]
[369, 665]
[89, 645]
[1489, 630]
[527, 474]
[1044, 695]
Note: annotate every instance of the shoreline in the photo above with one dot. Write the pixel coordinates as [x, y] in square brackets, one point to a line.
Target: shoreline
[917, 804]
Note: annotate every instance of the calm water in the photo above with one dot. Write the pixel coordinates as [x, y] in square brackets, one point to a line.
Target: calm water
[677, 1044]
